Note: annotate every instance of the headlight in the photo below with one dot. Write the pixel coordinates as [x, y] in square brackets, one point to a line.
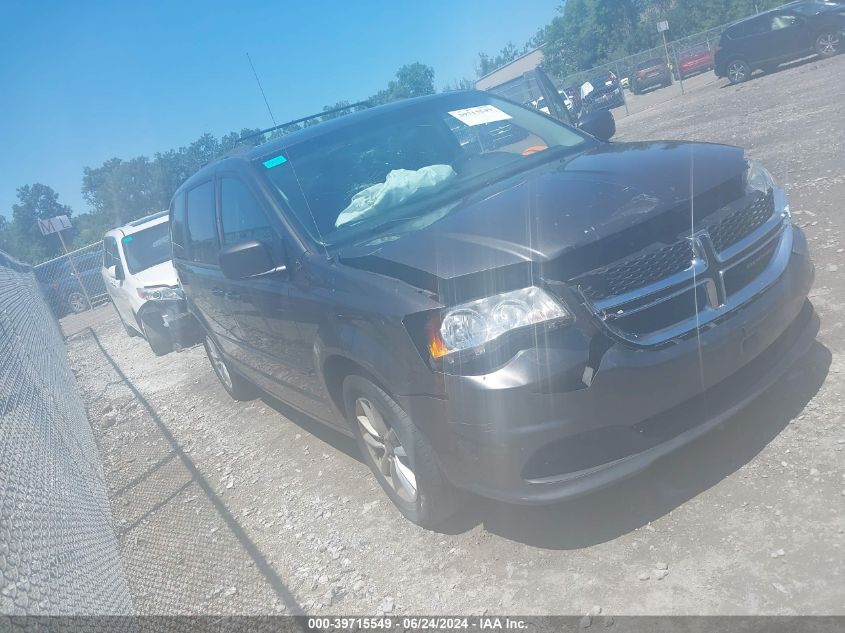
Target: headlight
[160, 293]
[758, 178]
[474, 324]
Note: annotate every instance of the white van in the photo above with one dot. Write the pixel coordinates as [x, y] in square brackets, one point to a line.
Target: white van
[142, 282]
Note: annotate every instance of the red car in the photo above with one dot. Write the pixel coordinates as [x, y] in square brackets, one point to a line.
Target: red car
[694, 61]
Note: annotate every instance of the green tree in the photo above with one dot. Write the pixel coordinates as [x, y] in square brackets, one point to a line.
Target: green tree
[412, 80]
[459, 84]
[35, 202]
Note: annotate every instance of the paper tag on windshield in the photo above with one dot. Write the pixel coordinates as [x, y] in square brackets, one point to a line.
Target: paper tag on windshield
[480, 115]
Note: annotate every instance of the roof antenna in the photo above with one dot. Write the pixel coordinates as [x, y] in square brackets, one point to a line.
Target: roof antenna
[258, 81]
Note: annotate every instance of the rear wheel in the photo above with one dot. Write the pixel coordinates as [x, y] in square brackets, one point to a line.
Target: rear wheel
[828, 44]
[399, 455]
[235, 385]
[738, 71]
[76, 301]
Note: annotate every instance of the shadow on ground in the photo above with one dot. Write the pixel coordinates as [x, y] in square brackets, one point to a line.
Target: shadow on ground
[609, 513]
[193, 479]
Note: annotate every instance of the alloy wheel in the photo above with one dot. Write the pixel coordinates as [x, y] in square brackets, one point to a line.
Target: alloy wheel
[828, 44]
[217, 363]
[76, 302]
[386, 450]
[736, 72]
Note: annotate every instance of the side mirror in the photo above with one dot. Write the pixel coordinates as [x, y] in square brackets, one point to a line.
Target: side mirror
[116, 272]
[598, 123]
[247, 259]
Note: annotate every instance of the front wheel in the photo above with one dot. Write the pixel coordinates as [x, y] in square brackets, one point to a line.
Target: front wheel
[828, 44]
[738, 71]
[235, 385]
[77, 302]
[399, 455]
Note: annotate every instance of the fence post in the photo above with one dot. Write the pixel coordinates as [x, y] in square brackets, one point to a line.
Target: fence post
[622, 90]
[678, 66]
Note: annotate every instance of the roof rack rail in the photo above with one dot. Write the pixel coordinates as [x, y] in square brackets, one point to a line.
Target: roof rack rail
[359, 104]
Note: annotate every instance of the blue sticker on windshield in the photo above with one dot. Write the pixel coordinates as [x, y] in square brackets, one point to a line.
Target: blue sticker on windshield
[275, 162]
[128, 238]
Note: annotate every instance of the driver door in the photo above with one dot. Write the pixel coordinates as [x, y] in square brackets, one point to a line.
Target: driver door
[114, 285]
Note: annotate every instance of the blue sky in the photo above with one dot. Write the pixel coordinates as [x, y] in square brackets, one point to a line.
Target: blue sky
[82, 82]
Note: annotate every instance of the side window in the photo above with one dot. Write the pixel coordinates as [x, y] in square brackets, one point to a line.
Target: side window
[110, 254]
[783, 21]
[202, 226]
[177, 225]
[242, 217]
[757, 27]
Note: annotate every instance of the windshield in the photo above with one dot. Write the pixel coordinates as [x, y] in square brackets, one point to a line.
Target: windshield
[147, 248]
[405, 163]
[814, 8]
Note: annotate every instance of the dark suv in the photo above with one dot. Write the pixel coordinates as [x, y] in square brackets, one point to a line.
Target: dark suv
[527, 322]
[602, 92]
[769, 39]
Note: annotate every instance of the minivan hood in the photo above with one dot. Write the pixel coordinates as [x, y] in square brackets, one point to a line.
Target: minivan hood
[162, 274]
[539, 215]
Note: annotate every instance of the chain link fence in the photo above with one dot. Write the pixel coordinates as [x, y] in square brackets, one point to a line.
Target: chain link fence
[58, 550]
[689, 66]
[72, 283]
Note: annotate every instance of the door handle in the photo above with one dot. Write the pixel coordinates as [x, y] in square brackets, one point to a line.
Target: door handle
[217, 292]
[232, 296]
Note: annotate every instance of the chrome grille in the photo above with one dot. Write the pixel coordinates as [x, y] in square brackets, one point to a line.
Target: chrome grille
[732, 228]
[668, 291]
[636, 272]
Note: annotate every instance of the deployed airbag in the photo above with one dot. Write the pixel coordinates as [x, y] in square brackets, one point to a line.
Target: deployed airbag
[399, 186]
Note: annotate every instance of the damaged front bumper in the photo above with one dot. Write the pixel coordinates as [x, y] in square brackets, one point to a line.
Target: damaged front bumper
[172, 316]
[527, 433]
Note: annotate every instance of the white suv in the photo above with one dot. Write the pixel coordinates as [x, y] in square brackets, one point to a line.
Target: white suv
[142, 283]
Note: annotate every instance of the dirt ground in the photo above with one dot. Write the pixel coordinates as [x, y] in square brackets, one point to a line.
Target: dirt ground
[226, 507]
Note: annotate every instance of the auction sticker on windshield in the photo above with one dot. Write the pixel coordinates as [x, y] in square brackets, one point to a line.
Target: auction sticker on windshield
[480, 115]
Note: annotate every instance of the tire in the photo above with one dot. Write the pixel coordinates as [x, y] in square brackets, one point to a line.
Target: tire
[76, 301]
[238, 387]
[131, 332]
[399, 456]
[159, 340]
[828, 44]
[737, 71]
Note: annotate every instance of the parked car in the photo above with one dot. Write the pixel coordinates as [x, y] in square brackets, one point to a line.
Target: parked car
[141, 281]
[67, 290]
[534, 89]
[765, 41]
[649, 74]
[694, 61]
[524, 325]
[602, 92]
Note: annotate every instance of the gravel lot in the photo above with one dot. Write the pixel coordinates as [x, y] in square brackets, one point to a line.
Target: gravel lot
[225, 507]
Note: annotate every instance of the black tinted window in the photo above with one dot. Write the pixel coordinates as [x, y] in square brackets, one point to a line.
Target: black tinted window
[147, 248]
[177, 225]
[751, 27]
[241, 216]
[783, 21]
[202, 226]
